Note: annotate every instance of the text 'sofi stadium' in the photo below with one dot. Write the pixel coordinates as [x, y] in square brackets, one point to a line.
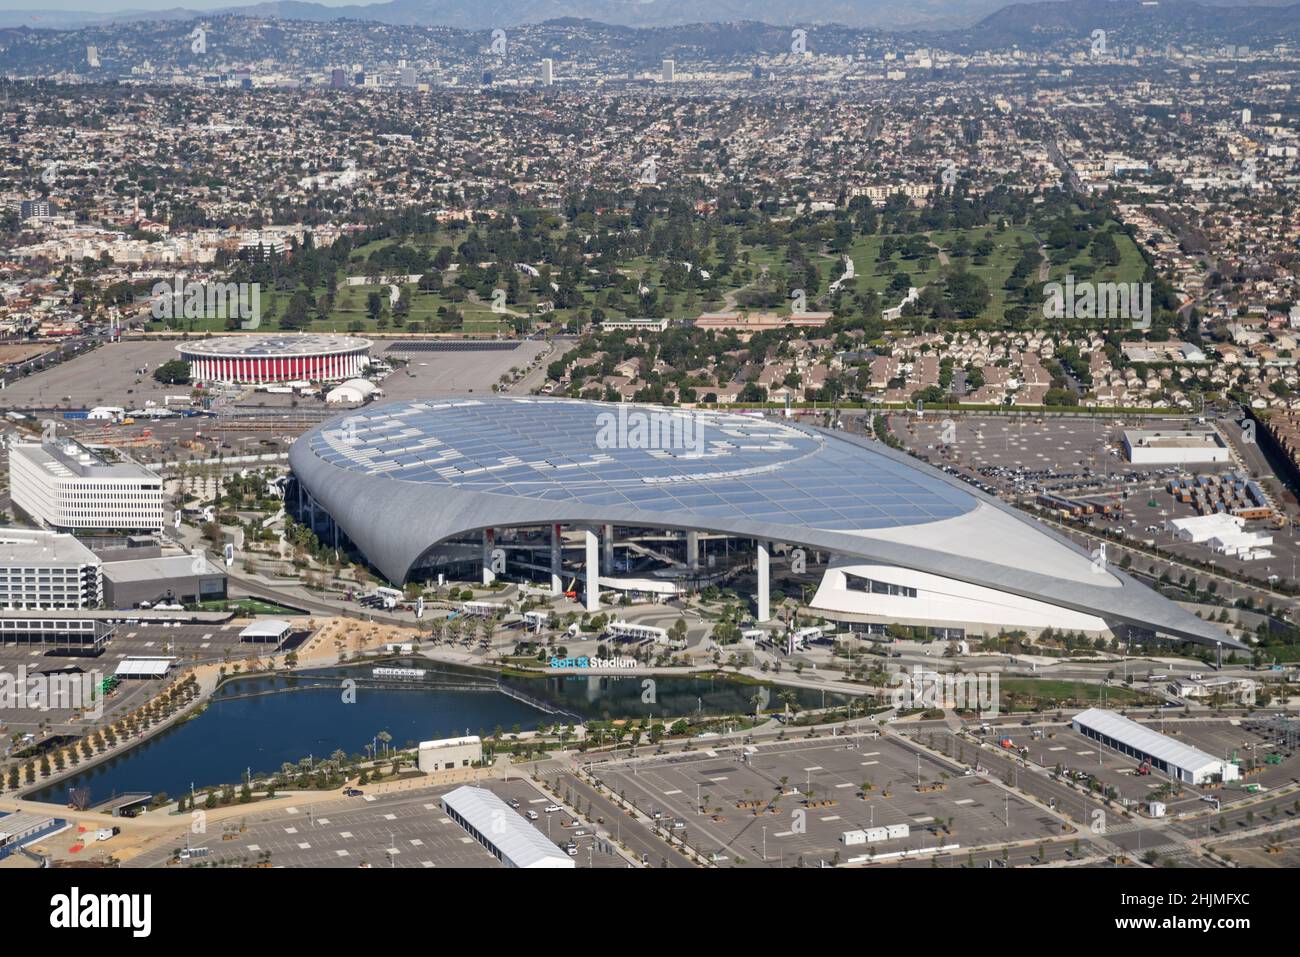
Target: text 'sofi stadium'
[665, 500]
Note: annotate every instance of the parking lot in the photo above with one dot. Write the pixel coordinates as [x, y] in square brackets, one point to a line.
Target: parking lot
[402, 829]
[188, 644]
[1073, 752]
[1080, 458]
[794, 799]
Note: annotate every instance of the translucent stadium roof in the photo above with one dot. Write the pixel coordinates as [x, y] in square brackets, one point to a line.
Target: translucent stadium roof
[402, 478]
[716, 465]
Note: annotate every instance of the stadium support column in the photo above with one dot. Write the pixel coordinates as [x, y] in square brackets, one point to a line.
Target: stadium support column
[607, 541]
[764, 608]
[557, 564]
[693, 551]
[488, 576]
[592, 570]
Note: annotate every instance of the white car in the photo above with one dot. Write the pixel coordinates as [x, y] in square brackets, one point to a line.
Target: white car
[552, 808]
[532, 815]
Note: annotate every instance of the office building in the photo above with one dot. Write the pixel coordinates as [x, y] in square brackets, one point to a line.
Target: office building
[64, 485]
[41, 569]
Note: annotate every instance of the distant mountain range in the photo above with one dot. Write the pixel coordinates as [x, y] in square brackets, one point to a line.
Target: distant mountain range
[490, 14]
[965, 24]
[1040, 25]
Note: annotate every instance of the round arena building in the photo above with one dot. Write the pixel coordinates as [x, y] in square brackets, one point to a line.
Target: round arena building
[252, 360]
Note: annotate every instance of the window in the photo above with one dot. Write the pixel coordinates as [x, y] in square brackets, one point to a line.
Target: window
[858, 583]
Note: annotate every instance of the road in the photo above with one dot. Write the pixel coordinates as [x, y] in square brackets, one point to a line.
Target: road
[618, 823]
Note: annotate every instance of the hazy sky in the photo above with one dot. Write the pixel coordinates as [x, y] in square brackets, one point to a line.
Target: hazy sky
[113, 6]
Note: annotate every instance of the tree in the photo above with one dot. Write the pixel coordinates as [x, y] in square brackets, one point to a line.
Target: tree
[173, 372]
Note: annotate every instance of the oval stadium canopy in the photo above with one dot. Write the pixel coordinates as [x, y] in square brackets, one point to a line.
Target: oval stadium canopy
[400, 478]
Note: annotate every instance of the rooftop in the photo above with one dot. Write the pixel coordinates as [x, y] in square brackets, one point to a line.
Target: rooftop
[521, 844]
[1143, 739]
[27, 546]
[68, 459]
[266, 628]
[158, 569]
[717, 464]
[273, 345]
[1172, 438]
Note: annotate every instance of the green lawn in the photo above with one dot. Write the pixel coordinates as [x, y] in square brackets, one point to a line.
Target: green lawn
[1020, 694]
[249, 606]
[429, 309]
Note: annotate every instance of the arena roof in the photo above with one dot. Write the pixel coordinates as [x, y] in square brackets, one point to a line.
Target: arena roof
[738, 466]
[400, 478]
[272, 345]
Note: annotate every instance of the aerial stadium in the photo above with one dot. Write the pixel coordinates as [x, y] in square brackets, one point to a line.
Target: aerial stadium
[264, 359]
[591, 498]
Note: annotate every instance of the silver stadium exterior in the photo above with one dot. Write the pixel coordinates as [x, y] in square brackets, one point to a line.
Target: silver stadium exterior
[649, 501]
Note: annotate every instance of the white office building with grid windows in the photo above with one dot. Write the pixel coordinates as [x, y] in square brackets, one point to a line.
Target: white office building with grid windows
[65, 485]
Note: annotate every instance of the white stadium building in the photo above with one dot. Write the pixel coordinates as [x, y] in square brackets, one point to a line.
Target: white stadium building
[651, 502]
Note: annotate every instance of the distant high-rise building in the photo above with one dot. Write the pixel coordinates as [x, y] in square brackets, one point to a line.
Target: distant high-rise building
[35, 209]
[487, 78]
[548, 72]
[408, 76]
[338, 79]
[670, 71]
[758, 73]
[1245, 117]
[92, 57]
[360, 78]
